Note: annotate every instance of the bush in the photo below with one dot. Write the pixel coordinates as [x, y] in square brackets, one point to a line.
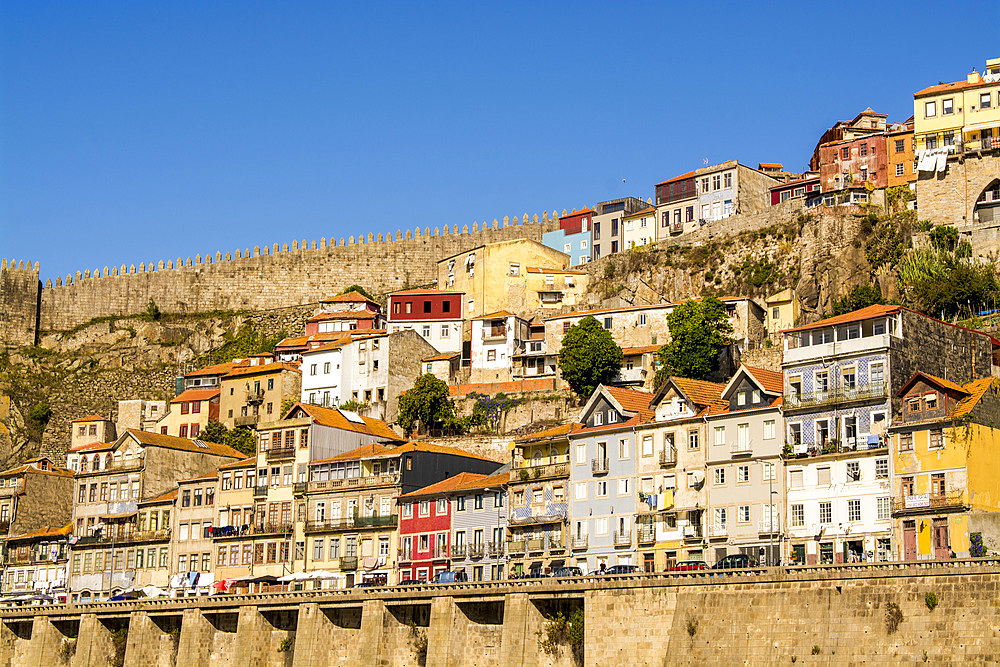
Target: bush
[930, 599]
[286, 644]
[816, 650]
[893, 617]
[152, 311]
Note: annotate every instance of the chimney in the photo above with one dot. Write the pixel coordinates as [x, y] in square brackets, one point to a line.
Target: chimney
[974, 77]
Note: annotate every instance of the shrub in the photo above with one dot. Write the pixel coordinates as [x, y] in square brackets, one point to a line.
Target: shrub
[286, 644]
[692, 627]
[930, 599]
[816, 650]
[893, 617]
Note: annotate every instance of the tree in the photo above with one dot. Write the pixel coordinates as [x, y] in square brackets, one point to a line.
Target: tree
[427, 401]
[39, 418]
[860, 297]
[491, 411]
[360, 290]
[699, 331]
[240, 439]
[589, 356]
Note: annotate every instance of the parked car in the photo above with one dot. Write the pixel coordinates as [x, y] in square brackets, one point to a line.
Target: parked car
[687, 566]
[568, 571]
[369, 583]
[736, 562]
[622, 569]
[534, 574]
[411, 582]
[450, 577]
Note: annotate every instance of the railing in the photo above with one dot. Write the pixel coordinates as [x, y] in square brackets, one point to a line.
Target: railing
[245, 420]
[457, 551]
[260, 490]
[300, 487]
[279, 453]
[122, 465]
[579, 542]
[623, 539]
[599, 466]
[385, 479]
[668, 456]
[405, 555]
[535, 545]
[767, 525]
[141, 536]
[494, 549]
[494, 332]
[692, 532]
[441, 551]
[647, 535]
[516, 547]
[476, 550]
[740, 448]
[553, 517]
[349, 523]
[917, 503]
[836, 395]
[718, 531]
[557, 544]
[540, 472]
[255, 397]
[271, 528]
[349, 563]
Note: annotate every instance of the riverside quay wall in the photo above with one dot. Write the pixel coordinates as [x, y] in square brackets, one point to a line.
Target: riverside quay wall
[933, 611]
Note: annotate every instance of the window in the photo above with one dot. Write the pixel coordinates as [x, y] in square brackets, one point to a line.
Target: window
[823, 476]
[600, 489]
[478, 502]
[930, 109]
[624, 487]
[881, 468]
[442, 506]
[491, 355]
[906, 486]
[623, 447]
[720, 518]
[854, 510]
[768, 471]
[905, 442]
[853, 471]
[742, 474]
[883, 509]
[845, 153]
[930, 400]
[769, 429]
[693, 440]
[899, 145]
[937, 484]
[720, 435]
[612, 416]
[580, 491]
[445, 331]
[743, 514]
[425, 508]
[647, 445]
[900, 169]
[607, 323]
[863, 151]
[985, 101]
[581, 454]
[936, 439]
[947, 107]
[798, 516]
[514, 269]
[826, 512]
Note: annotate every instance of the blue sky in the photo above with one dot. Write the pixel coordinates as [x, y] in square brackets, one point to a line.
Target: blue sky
[141, 131]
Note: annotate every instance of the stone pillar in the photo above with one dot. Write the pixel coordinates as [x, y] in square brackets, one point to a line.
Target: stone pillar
[94, 644]
[443, 641]
[195, 646]
[8, 638]
[373, 615]
[249, 639]
[147, 644]
[521, 623]
[46, 641]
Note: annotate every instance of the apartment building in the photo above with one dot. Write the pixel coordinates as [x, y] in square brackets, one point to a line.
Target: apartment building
[865, 124]
[854, 171]
[192, 561]
[899, 154]
[190, 411]
[639, 228]
[676, 206]
[434, 314]
[233, 532]
[603, 509]
[573, 236]
[34, 495]
[91, 429]
[496, 338]
[946, 493]
[730, 188]
[744, 487]
[538, 517]
[254, 392]
[35, 563]
[608, 227]
[345, 312]
[552, 289]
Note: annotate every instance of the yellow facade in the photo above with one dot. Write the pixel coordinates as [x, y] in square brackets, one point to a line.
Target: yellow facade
[958, 110]
[493, 276]
[782, 311]
[555, 288]
[639, 229]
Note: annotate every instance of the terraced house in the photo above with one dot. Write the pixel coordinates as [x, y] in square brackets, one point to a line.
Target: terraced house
[538, 522]
[602, 476]
[34, 563]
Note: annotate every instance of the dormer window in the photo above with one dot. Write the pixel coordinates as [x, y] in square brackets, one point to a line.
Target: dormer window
[598, 418]
[929, 399]
[915, 404]
[741, 398]
[612, 416]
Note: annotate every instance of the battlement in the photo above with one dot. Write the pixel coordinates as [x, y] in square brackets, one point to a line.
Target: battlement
[260, 278]
[19, 303]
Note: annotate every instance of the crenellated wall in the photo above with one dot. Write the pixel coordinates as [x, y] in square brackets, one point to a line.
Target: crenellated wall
[849, 614]
[244, 279]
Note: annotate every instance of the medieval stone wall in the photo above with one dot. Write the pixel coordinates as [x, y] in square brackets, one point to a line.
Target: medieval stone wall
[949, 198]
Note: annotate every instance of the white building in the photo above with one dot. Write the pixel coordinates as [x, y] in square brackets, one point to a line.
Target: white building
[348, 370]
[496, 338]
[839, 507]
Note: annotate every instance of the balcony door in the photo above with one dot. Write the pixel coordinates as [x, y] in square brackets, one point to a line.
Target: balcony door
[909, 540]
[939, 536]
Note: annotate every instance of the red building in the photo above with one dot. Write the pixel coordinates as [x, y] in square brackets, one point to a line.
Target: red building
[853, 168]
[577, 221]
[345, 312]
[435, 315]
[425, 528]
[802, 187]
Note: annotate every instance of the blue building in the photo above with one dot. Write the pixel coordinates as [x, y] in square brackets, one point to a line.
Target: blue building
[573, 236]
[603, 504]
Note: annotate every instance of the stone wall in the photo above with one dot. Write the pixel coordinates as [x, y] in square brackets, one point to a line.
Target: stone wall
[850, 614]
[260, 278]
[949, 198]
[19, 299]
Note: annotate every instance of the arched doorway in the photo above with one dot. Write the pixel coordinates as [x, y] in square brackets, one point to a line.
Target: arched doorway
[988, 203]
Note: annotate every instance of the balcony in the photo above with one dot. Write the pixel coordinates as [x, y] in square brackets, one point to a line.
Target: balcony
[647, 535]
[599, 466]
[476, 550]
[579, 543]
[299, 488]
[767, 525]
[350, 523]
[458, 551]
[371, 481]
[142, 536]
[260, 490]
[123, 465]
[245, 420]
[12, 490]
[692, 532]
[623, 539]
[929, 502]
[272, 529]
[494, 549]
[276, 453]
[718, 531]
[255, 397]
[542, 472]
[535, 545]
[740, 449]
[440, 551]
[536, 519]
[515, 547]
[406, 555]
[349, 563]
[836, 396]
[494, 333]
[668, 457]
[557, 544]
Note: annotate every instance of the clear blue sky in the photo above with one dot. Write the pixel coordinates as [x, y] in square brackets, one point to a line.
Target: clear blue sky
[139, 131]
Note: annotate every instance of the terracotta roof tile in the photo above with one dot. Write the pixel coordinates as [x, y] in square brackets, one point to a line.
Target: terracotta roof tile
[195, 395]
[495, 316]
[689, 174]
[463, 481]
[343, 315]
[335, 418]
[644, 349]
[183, 444]
[169, 495]
[555, 431]
[429, 292]
[90, 445]
[216, 369]
[248, 462]
[437, 449]
[975, 389]
[91, 418]
[45, 531]
[703, 393]
[442, 357]
[262, 368]
[772, 381]
[351, 297]
[633, 400]
[363, 452]
[853, 316]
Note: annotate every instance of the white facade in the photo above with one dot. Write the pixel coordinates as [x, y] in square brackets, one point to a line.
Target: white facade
[839, 507]
[356, 370]
[495, 340]
[444, 335]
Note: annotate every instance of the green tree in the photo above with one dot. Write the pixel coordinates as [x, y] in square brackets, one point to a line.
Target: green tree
[427, 401]
[699, 331]
[360, 290]
[861, 296]
[589, 356]
[38, 419]
[240, 439]
[944, 237]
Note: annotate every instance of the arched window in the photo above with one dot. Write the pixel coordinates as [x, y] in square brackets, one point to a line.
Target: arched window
[536, 458]
[83, 464]
[97, 461]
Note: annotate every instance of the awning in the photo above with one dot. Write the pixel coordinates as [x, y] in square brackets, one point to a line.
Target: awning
[972, 127]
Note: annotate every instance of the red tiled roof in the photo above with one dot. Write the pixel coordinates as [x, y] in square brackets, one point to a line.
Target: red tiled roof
[630, 351]
[262, 368]
[777, 165]
[495, 316]
[437, 449]
[91, 445]
[633, 400]
[363, 452]
[575, 212]
[932, 379]
[948, 87]
[853, 316]
[169, 495]
[335, 418]
[195, 395]
[343, 315]
[689, 174]
[350, 297]
[772, 381]
[44, 531]
[217, 369]
[555, 431]
[248, 462]
[463, 481]
[442, 357]
[642, 212]
[532, 384]
[428, 292]
[183, 444]
[91, 418]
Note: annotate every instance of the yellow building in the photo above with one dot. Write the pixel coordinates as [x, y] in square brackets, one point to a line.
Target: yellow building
[946, 451]
[494, 276]
[963, 115]
[554, 288]
[189, 413]
[639, 228]
[254, 392]
[782, 311]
